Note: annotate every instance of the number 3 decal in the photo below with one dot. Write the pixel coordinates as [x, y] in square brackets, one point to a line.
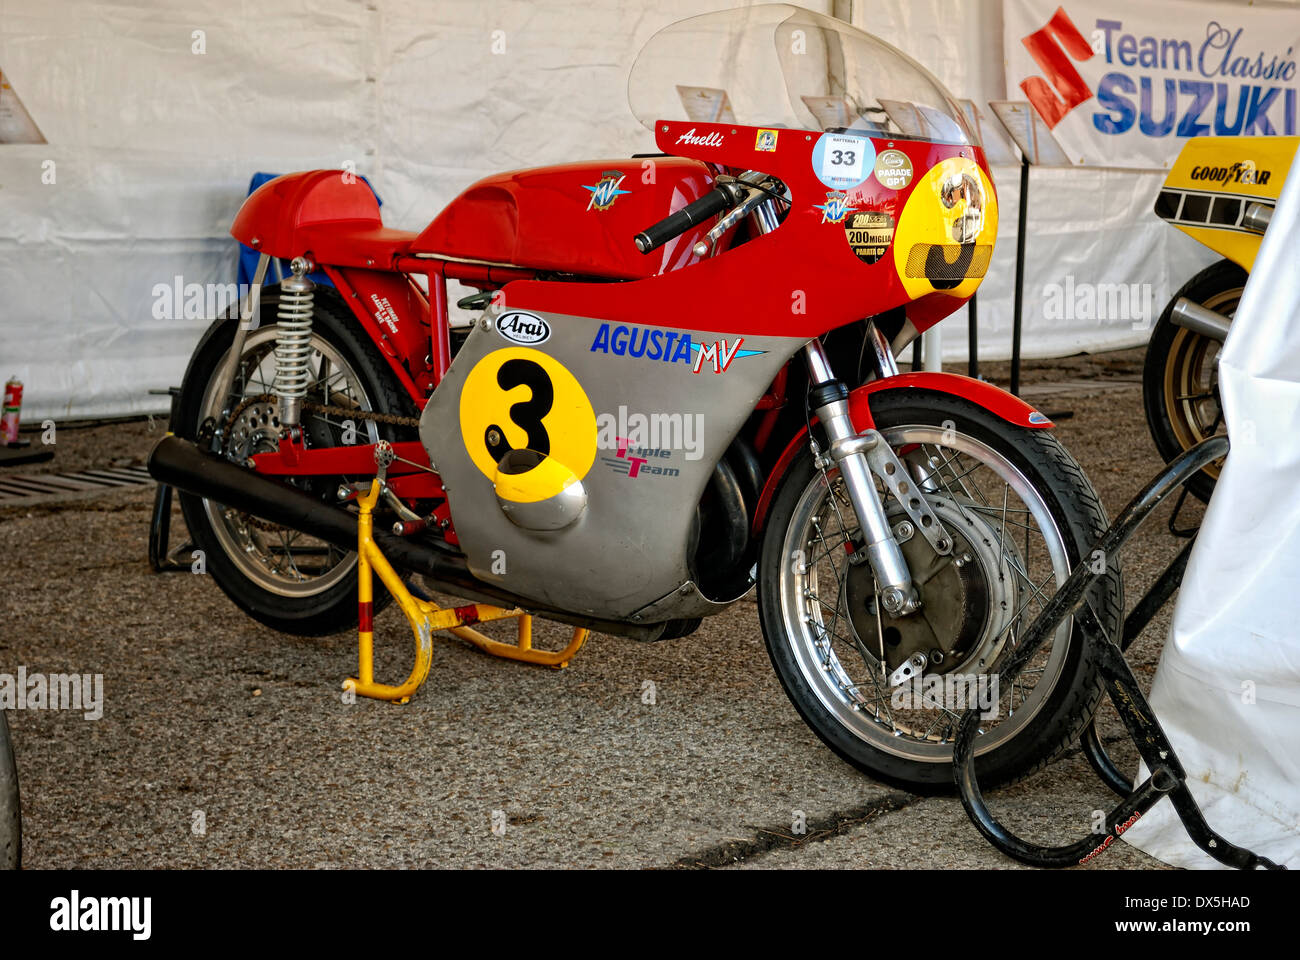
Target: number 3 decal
[522, 399]
[527, 414]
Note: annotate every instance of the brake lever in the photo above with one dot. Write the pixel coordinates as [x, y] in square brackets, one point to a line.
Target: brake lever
[756, 192]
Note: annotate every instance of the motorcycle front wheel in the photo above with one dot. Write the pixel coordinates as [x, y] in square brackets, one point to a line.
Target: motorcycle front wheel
[1021, 514]
[1180, 377]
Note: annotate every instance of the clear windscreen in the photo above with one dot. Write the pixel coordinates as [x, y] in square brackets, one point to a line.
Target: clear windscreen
[776, 65]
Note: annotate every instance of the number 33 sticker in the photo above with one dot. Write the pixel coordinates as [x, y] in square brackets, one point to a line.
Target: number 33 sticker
[842, 161]
[522, 399]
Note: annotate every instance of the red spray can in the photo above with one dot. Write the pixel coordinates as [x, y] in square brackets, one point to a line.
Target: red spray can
[12, 409]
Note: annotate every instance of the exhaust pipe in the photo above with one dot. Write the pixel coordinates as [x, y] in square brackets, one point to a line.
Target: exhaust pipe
[1198, 319]
[181, 464]
[1257, 217]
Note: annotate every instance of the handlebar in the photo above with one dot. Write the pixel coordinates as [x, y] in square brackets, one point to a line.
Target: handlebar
[720, 198]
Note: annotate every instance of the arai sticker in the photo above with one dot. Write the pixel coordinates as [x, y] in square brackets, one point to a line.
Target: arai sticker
[842, 161]
[894, 169]
[517, 398]
[523, 327]
[869, 234]
[765, 141]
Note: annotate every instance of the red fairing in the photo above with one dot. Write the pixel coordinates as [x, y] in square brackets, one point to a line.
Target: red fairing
[1005, 405]
[330, 214]
[576, 218]
[799, 281]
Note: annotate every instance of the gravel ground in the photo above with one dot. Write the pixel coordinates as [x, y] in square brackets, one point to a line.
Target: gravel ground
[211, 720]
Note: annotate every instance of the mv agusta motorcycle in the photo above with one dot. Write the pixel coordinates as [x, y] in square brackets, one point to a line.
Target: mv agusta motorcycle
[1220, 192]
[680, 383]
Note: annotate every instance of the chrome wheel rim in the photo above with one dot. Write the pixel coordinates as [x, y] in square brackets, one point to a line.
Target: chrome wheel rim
[284, 562]
[1191, 383]
[844, 671]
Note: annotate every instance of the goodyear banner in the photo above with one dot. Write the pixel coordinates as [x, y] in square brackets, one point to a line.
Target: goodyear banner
[1123, 84]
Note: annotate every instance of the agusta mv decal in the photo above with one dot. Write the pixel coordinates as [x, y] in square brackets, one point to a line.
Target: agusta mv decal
[670, 347]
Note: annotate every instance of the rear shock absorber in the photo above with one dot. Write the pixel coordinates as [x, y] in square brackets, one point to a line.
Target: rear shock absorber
[293, 341]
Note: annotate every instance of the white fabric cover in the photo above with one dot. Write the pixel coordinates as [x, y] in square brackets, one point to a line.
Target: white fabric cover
[154, 145]
[1227, 690]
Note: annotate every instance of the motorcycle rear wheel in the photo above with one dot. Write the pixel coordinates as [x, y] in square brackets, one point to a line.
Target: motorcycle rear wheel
[1022, 514]
[286, 580]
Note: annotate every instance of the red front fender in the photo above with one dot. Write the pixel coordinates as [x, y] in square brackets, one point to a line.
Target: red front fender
[993, 399]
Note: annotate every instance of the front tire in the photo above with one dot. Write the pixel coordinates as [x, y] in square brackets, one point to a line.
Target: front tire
[281, 578]
[11, 820]
[1180, 380]
[1022, 513]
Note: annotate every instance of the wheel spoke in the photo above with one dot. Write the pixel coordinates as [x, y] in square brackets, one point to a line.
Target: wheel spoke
[1020, 560]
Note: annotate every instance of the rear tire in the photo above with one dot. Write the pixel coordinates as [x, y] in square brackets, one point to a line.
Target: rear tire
[322, 604]
[814, 675]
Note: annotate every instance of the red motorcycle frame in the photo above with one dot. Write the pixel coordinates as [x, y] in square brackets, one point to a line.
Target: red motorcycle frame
[332, 218]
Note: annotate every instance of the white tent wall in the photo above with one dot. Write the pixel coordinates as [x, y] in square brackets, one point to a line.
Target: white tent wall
[152, 145]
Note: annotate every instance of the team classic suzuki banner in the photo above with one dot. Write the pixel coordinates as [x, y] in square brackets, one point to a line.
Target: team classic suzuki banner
[1124, 85]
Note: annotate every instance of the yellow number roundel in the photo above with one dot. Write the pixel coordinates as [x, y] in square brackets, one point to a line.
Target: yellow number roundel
[946, 231]
[518, 398]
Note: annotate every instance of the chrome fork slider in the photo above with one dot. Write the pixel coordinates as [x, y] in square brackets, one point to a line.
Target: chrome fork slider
[848, 452]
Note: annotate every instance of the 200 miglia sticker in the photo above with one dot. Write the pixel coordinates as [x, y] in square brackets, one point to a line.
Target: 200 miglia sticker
[522, 399]
[669, 346]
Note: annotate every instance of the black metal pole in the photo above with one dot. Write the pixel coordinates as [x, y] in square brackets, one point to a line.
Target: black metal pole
[972, 340]
[1020, 276]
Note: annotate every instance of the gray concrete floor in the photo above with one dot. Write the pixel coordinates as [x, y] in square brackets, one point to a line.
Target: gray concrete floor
[208, 713]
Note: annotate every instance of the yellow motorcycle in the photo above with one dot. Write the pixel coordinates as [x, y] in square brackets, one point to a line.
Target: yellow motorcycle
[1221, 192]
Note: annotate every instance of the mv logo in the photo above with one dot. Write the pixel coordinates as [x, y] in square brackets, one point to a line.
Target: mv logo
[1064, 89]
[605, 190]
[720, 353]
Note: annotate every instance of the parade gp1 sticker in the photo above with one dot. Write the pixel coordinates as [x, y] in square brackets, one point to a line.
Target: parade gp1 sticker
[946, 231]
[522, 399]
[894, 169]
[869, 234]
[842, 161]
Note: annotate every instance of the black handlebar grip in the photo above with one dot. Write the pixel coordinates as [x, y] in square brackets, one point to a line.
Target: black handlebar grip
[674, 225]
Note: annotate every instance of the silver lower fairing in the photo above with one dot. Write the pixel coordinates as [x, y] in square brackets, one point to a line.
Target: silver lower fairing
[667, 403]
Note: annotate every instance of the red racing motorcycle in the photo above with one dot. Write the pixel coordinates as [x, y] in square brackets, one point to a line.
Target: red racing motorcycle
[679, 384]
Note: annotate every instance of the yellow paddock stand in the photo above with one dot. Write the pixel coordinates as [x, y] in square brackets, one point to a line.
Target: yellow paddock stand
[426, 618]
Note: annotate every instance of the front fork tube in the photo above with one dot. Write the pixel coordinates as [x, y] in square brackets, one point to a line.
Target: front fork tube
[830, 402]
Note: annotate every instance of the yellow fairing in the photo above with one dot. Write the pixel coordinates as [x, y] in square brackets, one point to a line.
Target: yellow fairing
[1211, 182]
[545, 480]
[947, 230]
